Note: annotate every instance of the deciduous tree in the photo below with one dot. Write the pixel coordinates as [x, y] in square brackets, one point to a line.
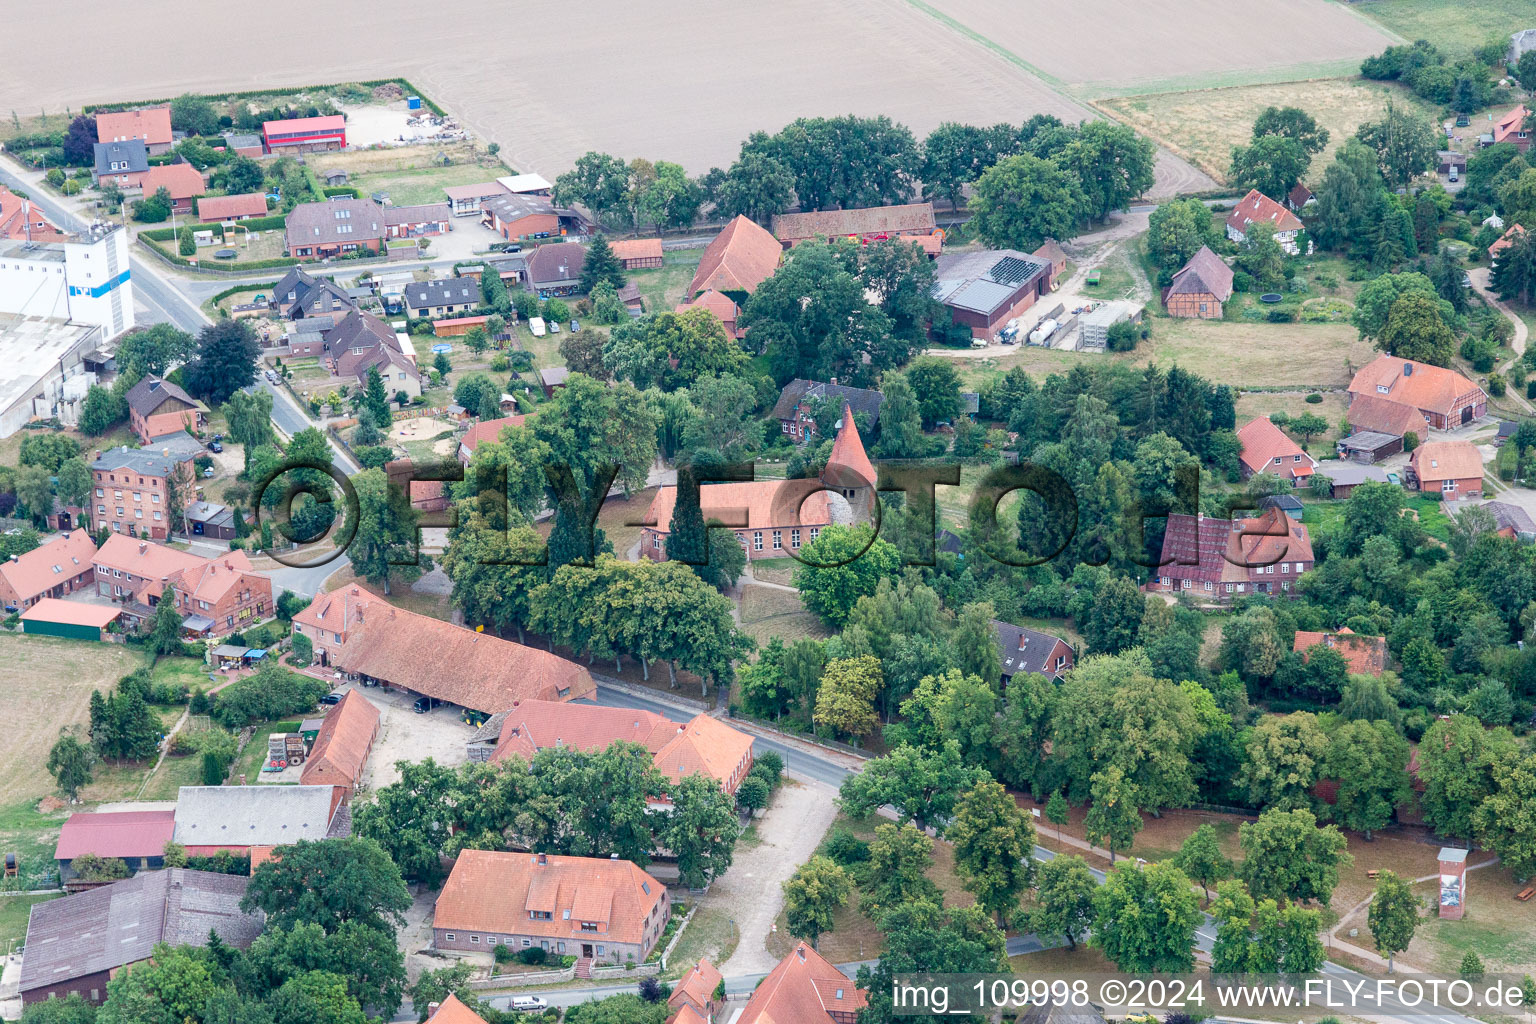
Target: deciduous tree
[994, 846]
[1064, 891]
[1145, 918]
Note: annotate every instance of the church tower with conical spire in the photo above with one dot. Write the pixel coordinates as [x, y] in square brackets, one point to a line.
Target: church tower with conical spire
[848, 470]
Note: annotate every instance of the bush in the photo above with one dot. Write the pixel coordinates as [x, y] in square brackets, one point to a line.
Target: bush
[846, 848]
[269, 694]
[768, 766]
[533, 955]
[504, 954]
[520, 361]
[1496, 385]
[1281, 316]
[1242, 281]
[1314, 399]
[303, 650]
[1122, 336]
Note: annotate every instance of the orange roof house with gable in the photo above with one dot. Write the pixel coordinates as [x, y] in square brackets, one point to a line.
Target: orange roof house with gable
[1511, 128]
[368, 638]
[1364, 655]
[183, 181]
[741, 257]
[804, 989]
[596, 909]
[215, 595]
[637, 253]
[341, 749]
[1258, 208]
[452, 1011]
[726, 311]
[1266, 449]
[1219, 560]
[770, 517]
[150, 125]
[693, 998]
[1505, 240]
[1454, 468]
[60, 567]
[485, 430]
[702, 746]
[22, 219]
[1445, 397]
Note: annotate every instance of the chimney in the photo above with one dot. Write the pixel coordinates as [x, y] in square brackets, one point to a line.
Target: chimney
[800, 952]
[15, 558]
[98, 453]
[432, 1008]
[543, 858]
[143, 547]
[1023, 641]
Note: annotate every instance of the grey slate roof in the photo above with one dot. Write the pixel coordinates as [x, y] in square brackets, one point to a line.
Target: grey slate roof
[136, 460]
[151, 393]
[1348, 474]
[179, 445]
[1037, 646]
[1511, 517]
[450, 291]
[555, 264]
[211, 512]
[251, 815]
[311, 224]
[120, 923]
[862, 400]
[130, 154]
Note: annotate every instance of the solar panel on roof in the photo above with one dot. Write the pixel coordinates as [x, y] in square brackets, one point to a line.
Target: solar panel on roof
[1011, 270]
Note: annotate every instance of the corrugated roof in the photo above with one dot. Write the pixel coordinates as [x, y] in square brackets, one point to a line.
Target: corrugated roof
[115, 834]
[240, 816]
[119, 924]
[73, 613]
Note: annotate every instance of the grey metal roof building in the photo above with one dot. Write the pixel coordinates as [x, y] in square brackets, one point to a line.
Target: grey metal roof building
[983, 282]
[149, 462]
[240, 816]
[453, 291]
[179, 445]
[95, 932]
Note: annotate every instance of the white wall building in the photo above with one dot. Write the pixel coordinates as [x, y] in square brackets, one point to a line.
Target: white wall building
[85, 280]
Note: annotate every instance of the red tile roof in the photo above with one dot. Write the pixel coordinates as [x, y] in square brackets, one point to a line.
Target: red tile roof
[879, 221]
[183, 181]
[115, 834]
[434, 658]
[343, 743]
[152, 124]
[21, 218]
[1420, 385]
[43, 568]
[1446, 460]
[741, 257]
[697, 987]
[760, 504]
[491, 891]
[803, 989]
[154, 563]
[848, 465]
[336, 612]
[1263, 442]
[215, 577]
[1256, 206]
[704, 746]
[1382, 414]
[1365, 655]
[1505, 240]
[452, 1011]
[488, 430]
[637, 248]
[724, 309]
[1510, 124]
[246, 204]
[1209, 550]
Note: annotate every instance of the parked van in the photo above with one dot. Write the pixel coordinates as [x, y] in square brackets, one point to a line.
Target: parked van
[536, 325]
[1042, 334]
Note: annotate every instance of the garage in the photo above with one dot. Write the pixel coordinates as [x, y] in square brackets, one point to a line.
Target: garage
[73, 620]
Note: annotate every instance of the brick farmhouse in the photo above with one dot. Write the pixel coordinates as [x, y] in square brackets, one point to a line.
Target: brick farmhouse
[598, 910]
[61, 566]
[1218, 560]
[1444, 397]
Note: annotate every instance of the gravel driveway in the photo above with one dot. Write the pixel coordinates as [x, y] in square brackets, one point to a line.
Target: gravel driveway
[407, 736]
[751, 892]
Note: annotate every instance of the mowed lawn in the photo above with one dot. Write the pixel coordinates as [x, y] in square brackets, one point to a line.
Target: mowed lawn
[48, 686]
[1203, 125]
[1258, 354]
[1456, 26]
[768, 612]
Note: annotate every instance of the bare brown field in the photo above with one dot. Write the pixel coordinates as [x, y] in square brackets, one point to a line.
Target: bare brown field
[1203, 125]
[48, 686]
[611, 77]
[1123, 43]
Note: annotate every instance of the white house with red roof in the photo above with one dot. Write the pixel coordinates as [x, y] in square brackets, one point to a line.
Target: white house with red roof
[1267, 449]
[1257, 208]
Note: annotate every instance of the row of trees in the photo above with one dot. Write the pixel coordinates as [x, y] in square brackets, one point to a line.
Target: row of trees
[818, 163]
[567, 801]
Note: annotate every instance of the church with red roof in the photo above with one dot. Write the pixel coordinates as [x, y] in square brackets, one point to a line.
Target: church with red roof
[776, 518]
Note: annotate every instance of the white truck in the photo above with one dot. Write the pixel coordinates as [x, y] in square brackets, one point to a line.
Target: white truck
[536, 325]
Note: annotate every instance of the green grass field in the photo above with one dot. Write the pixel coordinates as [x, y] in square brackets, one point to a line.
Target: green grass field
[421, 185]
[662, 288]
[14, 911]
[1454, 26]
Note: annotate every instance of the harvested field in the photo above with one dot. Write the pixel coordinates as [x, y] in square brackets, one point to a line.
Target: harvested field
[1199, 43]
[48, 686]
[807, 57]
[1203, 125]
[768, 612]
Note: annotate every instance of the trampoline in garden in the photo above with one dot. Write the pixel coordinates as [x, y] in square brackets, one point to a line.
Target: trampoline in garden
[1271, 297]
